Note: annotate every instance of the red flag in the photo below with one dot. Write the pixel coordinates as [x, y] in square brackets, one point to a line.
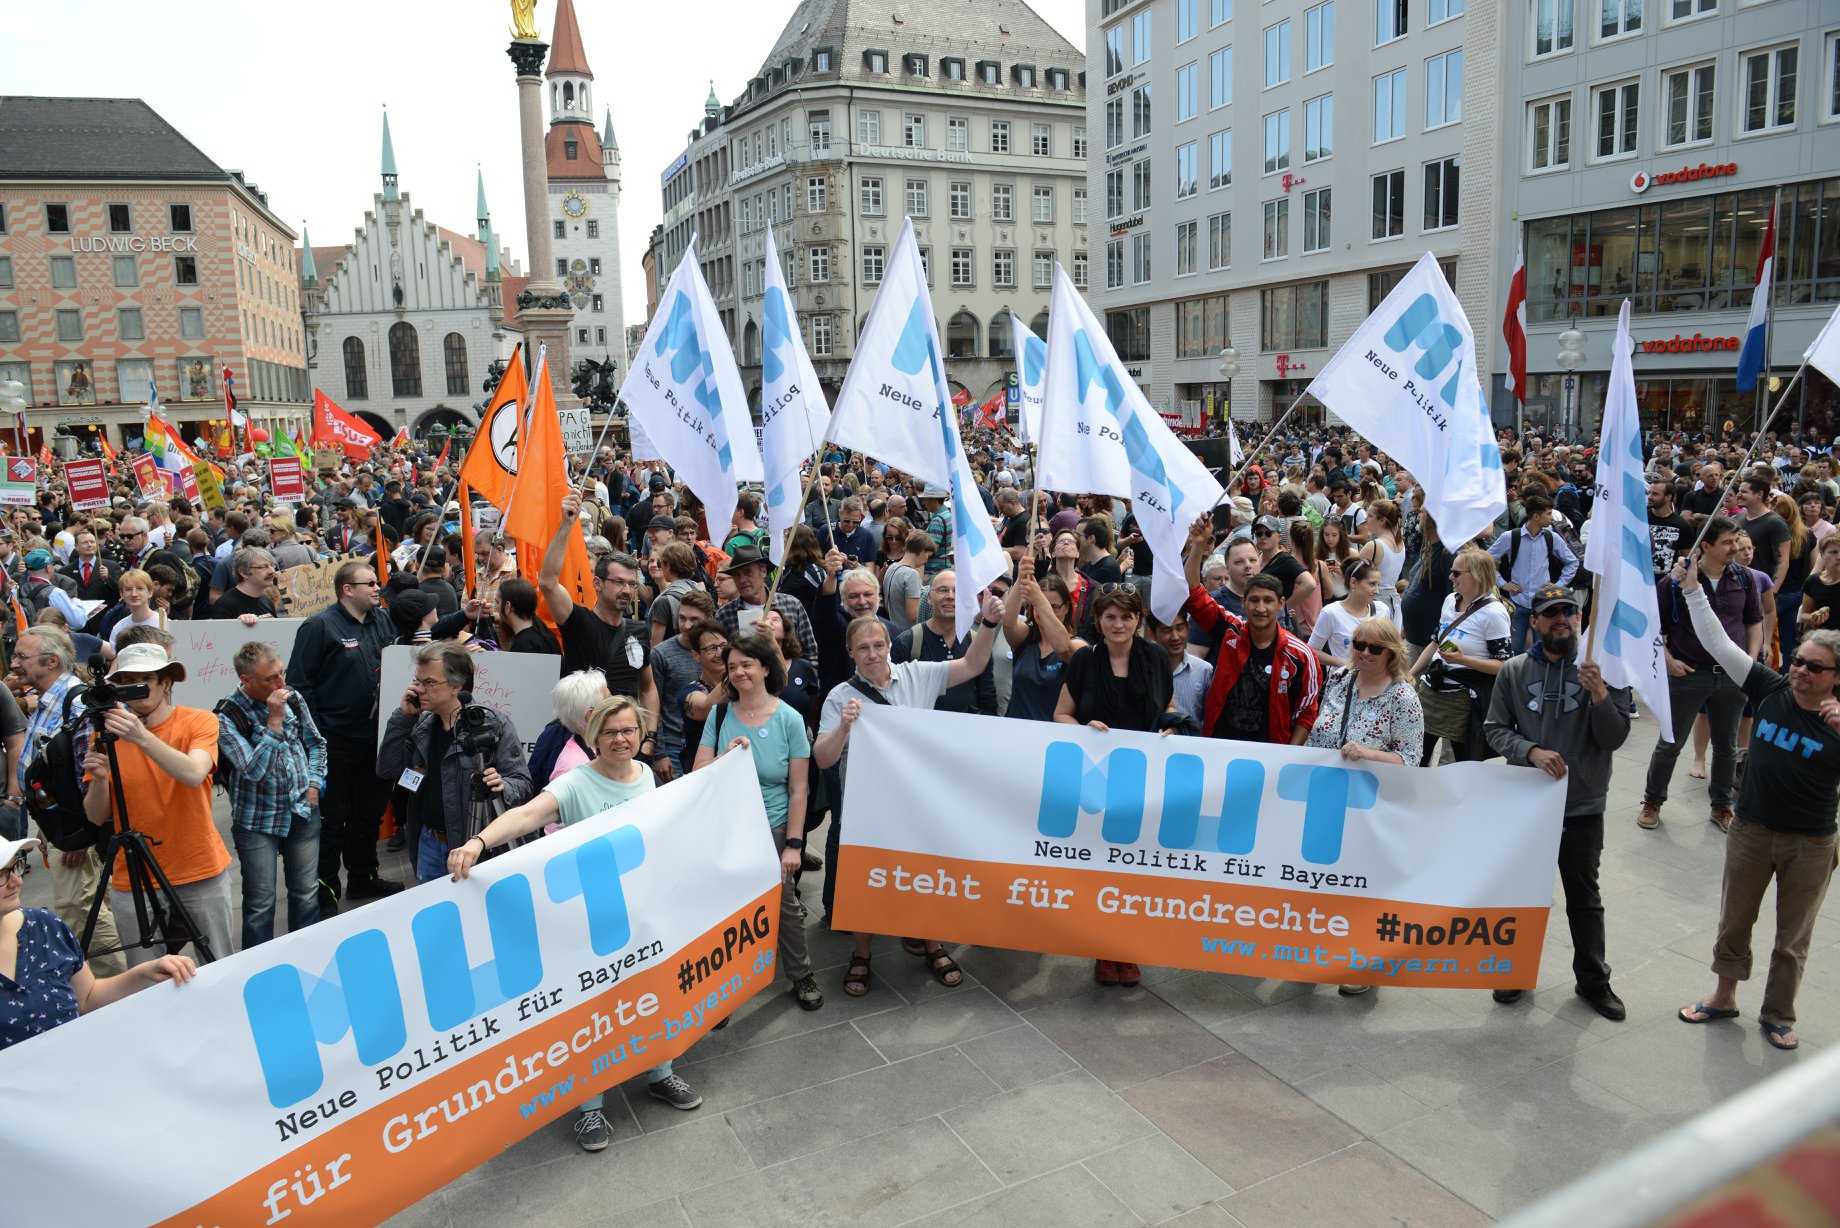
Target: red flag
[1514, 326]
[333, 427]
[445, 448]
[108, 453]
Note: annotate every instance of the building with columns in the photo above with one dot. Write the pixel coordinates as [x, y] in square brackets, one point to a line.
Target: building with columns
[403, 320]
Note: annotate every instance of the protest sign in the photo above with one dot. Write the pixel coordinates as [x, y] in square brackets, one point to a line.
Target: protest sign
[307, 589]
[339, 1073]
[209, 488]
[147, 476]
[577, 430]
[285, 481]
[88, 481]
[208, 646]
[516, 684]
[1223, 856]
[19, 480]
[328, 459]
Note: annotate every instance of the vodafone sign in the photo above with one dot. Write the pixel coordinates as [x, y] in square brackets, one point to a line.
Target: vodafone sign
[1641, 181]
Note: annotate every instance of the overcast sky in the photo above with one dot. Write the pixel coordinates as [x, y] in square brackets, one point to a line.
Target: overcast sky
[293, 95]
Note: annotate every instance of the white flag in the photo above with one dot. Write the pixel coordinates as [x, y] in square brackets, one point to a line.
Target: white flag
[685, 394]
[1625, 610]
[1236, 456]
[1824, 353]
[896, 406]
[793, 414]
[1407, 381]
[1099, 434]
[1031, 370]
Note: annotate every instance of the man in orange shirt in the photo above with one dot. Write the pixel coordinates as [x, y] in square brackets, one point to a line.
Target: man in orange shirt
[166, 756]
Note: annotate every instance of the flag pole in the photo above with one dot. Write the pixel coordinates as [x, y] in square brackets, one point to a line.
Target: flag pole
[1737, 473]
[1769, 313]
[1252, 453]
[805, 498]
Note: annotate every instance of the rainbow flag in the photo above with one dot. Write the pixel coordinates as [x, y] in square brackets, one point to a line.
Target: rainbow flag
[171, 455]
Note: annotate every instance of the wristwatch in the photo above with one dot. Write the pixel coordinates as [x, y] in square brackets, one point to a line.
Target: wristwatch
[795, 842]
[987, 623]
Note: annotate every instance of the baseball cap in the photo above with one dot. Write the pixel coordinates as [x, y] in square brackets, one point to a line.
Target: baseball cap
[9, 849]
[146, 659]
[36, 559]
[1269, 523]
[1549, 595]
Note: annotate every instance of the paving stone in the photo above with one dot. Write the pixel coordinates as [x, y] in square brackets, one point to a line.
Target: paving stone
[1018, 1055]
[1042, 1126]
[1068, 1198]
[760, 1072]
[1361, 1186]
[1156, 1178]
[1125, 1037]
[966, 1014]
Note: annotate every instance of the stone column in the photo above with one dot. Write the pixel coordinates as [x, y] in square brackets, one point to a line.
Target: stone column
[543, 310]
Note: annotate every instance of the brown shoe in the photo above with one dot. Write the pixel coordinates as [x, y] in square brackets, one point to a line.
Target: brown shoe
[1721, 818]
[1650, 818]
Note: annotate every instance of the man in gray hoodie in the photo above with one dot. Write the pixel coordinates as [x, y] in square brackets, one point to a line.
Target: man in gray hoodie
[1554, 714]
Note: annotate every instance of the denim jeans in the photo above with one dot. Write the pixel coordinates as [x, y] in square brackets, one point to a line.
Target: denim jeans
[1520, 627]
[657, 1074]
[430, 857]
[1712, 691]
[299, 855]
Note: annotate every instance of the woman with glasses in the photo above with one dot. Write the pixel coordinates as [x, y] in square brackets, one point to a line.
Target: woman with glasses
[1459, 665]
[1335, 626]
[709, 643]
[1063, 560]
[44, 979]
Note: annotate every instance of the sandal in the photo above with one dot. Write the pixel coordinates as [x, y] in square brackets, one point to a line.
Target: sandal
[1706, 1013]
[914, 946]
[942, 967]
[856, 976]
[1775, 1033]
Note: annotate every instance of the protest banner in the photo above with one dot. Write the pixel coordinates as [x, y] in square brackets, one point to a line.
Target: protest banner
[208, 646]
[1222, 856]
[577, 430]
[339, 1073]
[285, 480]
[306, 589]
[516, 684]
[147, 476]
[19, 480]
[328, 459]
[209, 488]
[88, 482]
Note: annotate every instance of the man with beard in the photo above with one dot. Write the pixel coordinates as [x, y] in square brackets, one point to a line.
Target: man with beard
[1552, 713]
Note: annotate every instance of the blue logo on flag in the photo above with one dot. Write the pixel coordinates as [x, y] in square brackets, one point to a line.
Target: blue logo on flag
[1138, 450]
[914, 354]
[1421, 325]
[681, 336]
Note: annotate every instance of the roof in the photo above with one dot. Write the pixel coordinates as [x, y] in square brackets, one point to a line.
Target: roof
[565, 53]
[471, 251]
[1008, 30]
[587, 163]
[325, 261]
[511, 288]
[95, 138]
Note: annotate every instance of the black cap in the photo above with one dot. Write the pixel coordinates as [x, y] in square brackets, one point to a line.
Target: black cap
[1549, 595]
[409, 607]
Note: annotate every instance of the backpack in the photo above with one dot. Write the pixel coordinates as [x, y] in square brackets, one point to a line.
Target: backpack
[548, 749]
[1555, 566]
[224, 773]
[54, 786]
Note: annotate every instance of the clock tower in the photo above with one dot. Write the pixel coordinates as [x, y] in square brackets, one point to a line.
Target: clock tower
[584, 199]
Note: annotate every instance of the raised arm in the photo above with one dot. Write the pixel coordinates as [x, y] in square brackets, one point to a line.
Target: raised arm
[549, 578]
[1731, 658]
[976, 657]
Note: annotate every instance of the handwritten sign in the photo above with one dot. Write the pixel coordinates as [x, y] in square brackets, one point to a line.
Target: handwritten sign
[307, 589]
[208, 647]
[517, 684]
[328, 458]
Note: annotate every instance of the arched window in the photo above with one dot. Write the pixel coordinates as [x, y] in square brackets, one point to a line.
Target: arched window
[1002, 339]
[1039, 325]
[750, 344]
[453, 349]
[357, 382]
[405, 361]
[568, 96]
[962, 336]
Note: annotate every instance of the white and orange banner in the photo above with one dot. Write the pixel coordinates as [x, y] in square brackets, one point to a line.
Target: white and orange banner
[337, 1075]
[1266, 861]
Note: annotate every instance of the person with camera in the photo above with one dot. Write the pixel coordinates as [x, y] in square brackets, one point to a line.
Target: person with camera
[165, 756]
[443, 749]
[273, 759]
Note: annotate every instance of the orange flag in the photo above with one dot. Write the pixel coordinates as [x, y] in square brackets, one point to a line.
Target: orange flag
[382, 557]
[467, 557]
[534, 509]
[484, 469]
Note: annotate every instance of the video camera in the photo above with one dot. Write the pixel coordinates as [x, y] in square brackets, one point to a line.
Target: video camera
[101, 695]
[474, 730]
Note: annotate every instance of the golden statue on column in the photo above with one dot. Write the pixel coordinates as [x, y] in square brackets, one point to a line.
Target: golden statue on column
[524, 20]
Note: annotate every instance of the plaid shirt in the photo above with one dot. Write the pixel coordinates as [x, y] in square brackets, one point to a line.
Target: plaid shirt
[271, 772]
[46, 720]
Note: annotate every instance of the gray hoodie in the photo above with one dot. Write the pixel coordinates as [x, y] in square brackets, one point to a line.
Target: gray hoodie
[1540, 704]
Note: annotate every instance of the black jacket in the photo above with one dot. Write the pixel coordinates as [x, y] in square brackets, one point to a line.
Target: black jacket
[104, 577]
[336, 665]
[405, 745]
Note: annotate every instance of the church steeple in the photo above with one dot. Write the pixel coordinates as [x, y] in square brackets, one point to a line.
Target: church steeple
[309, 271]
[485, 231]
[607, 141]
[712, 106]
[389, 159]
[570, 78]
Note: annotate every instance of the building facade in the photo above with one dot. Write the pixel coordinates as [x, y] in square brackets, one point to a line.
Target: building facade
[403, 321]
[968, 119]
[1650, 146]
[1228, 132]
[128, 261]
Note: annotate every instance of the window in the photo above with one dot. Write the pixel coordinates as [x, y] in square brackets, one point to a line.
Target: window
[1390, 106]
[958, 200]
[1187, 20]
[1443, 10]
[958, 133]
[126, 270]
[1188, 170]
[453, 355]
[562, 229]
[1059, 79]
[1079, 143]
[1220, 159]
[1444, 89]
[914, 64]
[1187, 91]
[3, 225]
[1042, 202]
[405, 360]
[1681, 10]
[817, 194]
[1277, 54]
[6, 272]
[119, 221]
[1079, 269]
[1114, 264]
[1277, 228]
[1769, 89]
[963, 261]
[1319, 36]
[1114, 194]
[990, 72]
[1079, 206]
[179, 217]
[1187, 236]
[818, 264]
[916, 198]
[999, 136]
[1003, 267]
[1140, 259]
[1618, 17]
[870, 191]
[562, 268]
[1549, 137]
[874, 259]
[1390, 20]
[57, 219]
[191, 323]
[1044, 270]
[69, 325]
[1201, 327]
[952, 68]
[64, 272]
[1129, 331]
[594, 265]
[571, 149]
[1114, 51]
[1140, 37]
[1024, 75]
[819, 125]
[1316, 220]
[1140, 111]
[1220, 241]
[1278, 141]
[747, 287]
[594, 229]
[1114, 122]
[1441, 183]
[1294, 317]
[868, 127]
[1832, 90]
[1140, 186]
[1041, 140]
[913, 131]
[128, 324]
[1616, 118]
[1552, 26]
[1389, 204]
[9, 327]
[820, 336]
[1219, 12]
[1002, 202]
[1688, 92]
[876, 62]
[1319, 128]
[597, 303]
[1220, 77]
[357, 378]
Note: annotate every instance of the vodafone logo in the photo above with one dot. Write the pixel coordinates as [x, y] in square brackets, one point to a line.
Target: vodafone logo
[1638, 182]
[1642, 180]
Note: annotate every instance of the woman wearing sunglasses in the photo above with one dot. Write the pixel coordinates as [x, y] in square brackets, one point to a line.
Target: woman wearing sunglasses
[1335, 626]
[1459, 665]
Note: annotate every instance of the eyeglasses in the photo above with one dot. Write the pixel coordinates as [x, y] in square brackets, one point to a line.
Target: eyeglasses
[1811, 666]
[1372, 650]
[422, 684]
[1559, 611]
[15, 867]
[627, 731]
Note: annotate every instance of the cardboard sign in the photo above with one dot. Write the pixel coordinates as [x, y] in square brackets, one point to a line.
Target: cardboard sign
[514, 683]
[577, 433]
[286, 481]
[208, 649]
[147, 476]
[209, 488]
[328, 458]
[88, 481]
[307, 589]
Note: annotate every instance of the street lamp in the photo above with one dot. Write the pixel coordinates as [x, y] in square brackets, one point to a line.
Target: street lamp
[1229, 367]
[1570, 358]
[13, 403]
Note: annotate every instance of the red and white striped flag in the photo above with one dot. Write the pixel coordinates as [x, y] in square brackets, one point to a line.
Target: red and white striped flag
[1514, 326]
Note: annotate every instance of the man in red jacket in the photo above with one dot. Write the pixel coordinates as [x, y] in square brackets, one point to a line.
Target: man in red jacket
[1267, 684]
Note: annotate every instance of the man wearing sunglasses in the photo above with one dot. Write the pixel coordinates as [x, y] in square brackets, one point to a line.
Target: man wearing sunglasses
[1555, 714]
